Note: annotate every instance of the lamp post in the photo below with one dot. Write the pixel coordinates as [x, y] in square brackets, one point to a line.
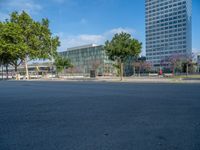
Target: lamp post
[1, 67]
[2, 70]
[51, 59]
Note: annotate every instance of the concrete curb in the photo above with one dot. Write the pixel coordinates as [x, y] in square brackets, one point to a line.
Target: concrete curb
[116, 80]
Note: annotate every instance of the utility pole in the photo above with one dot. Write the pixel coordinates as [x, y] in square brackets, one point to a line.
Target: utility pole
[2, 71]
[51, 59]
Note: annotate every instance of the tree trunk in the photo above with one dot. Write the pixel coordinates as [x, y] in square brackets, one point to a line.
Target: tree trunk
[26, 68]
[6, 71]
[121, 70]
[16, 72]
[2, 71]
[134, 70]
[57, 74]
[174, 70]
[139, 70]
[187, 69]
[15, 68]
[52, 70]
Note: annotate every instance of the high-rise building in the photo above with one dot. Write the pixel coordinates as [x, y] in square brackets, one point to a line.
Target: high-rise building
[168, 29]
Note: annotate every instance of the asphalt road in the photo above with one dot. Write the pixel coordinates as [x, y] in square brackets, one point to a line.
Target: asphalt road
[99, 116]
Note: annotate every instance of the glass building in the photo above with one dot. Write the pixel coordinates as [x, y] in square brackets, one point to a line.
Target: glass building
[89, 57]
[198, 59]
[168, 29]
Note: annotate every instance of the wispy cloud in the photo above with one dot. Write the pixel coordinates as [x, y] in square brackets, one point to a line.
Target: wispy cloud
[66, 3]
[82, 39]
[71, 41]
[3, 16]
[26, 5]
[60, 1]
[119, 30]
[195, 50]
[29, 6]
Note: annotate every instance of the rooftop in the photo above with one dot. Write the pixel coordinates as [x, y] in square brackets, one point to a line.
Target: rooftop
[81, 47]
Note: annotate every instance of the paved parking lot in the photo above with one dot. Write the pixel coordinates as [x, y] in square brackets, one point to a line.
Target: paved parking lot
[99, 116]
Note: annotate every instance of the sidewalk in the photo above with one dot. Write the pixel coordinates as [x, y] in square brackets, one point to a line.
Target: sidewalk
[148, 80]
[117, 79]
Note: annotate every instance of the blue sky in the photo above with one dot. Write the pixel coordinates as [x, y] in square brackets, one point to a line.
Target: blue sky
[79, 22]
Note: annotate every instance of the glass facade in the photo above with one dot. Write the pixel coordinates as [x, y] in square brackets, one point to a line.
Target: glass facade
[198, 59]
[168, 29]
[89, 57]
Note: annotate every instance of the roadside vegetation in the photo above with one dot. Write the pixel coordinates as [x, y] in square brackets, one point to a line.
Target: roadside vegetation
[23, 39]
[62, 64]
[120, 48]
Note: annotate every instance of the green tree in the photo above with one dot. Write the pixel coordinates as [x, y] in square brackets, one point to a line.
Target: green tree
[38, 42]
[121, 47]
[62, 63]
[11, 44]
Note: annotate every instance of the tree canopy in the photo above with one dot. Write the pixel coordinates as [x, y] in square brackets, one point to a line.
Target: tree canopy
[11, 43]
[23, 39]
[121, 47]
[62, 63]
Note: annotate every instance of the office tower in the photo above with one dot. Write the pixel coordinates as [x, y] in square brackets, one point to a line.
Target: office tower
[168, 30]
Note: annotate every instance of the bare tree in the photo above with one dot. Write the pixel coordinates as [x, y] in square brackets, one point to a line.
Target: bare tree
[147, 66]
[95, 64]
[141, 65]
[137, 66]
[176, 62]
[181, 63]
[187, 61]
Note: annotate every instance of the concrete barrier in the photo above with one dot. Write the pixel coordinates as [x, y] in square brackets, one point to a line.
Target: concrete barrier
[153, 75]
[168, 75]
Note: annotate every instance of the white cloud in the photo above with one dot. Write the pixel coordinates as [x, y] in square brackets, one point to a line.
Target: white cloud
[72, 41]
[66, 2]
[59, 1]
[91, 38]
[119, 30]
[82, 39]
[3, 16]
[195, 50]
[27, 5]
[19, 5]
[60, 34]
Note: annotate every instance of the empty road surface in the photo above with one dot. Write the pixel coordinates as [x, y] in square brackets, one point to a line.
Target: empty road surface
[99, 116]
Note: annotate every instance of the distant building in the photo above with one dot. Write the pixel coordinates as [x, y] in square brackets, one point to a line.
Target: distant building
[198, 59]
[168, 29]
[36, 70]
[129, 65]
[89, 57]
[198, 62]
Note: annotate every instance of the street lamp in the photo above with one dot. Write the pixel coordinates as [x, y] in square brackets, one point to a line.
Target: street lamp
[51, 59]
[2, 70]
